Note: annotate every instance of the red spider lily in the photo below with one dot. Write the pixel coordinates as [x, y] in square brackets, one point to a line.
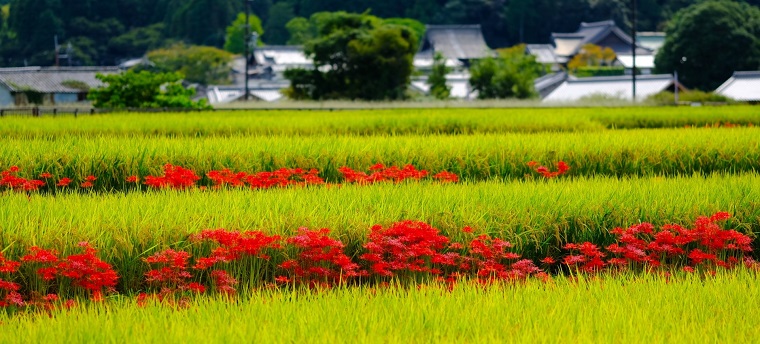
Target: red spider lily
[381, 173]
[175, 177]
[133, 179]
[223, 282]
[63, 182]
[172, 272]
[90, 178]
[234, 246]
[86, 185]
[406, 246]
[46, 175]
[467, 229]
[548, 260]
[321, 260]
[446, 177]
[10, 180]
[89, 272]
[8, 266]
[47, 257]
[562, 168]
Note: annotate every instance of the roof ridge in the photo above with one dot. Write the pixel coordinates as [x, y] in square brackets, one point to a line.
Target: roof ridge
[608, 22]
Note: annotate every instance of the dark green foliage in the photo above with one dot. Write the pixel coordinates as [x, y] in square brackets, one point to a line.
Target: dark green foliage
[357, 57]
[437, 78]
[710, 40]
[137, 41]
[235, 39]
[279, 16]
[588, 71]
[510, 75]
[198, 64]
[143, 90]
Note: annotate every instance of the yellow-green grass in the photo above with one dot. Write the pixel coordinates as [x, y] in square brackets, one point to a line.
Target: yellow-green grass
[623, 309]
[376, 122]
[474, 157]
[537, 216]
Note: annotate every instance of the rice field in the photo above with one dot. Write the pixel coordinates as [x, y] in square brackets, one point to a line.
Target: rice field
[618, 309]
[628, 167]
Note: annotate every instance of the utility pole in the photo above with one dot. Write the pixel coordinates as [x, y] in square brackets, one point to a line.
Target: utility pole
[633, 49]
[246, 42]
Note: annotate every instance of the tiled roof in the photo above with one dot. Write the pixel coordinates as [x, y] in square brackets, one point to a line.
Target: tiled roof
[611, 86]
[461, 42]
[544, 53]
[742, 86]
[52, 79]
[568, 44]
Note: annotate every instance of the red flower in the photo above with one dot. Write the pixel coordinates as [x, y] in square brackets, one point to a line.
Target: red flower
[133, 179]
[467, 229]
[63, 182]
[86, 185]
[548, 260]
[45, 175]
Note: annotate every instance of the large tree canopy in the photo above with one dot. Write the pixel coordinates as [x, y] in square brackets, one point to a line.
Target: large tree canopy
[708, 41]
[357, 56]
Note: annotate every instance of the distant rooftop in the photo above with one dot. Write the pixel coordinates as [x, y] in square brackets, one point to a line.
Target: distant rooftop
[461, 42]
[602, 33]
[742, 86]
[53, 79]
[575, 89]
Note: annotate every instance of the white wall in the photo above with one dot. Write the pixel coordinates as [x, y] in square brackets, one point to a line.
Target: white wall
[6, 99]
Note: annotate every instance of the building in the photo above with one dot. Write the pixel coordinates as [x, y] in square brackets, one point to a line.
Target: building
[742, 86]
[48, 85]
[458, 43]
[611, 87]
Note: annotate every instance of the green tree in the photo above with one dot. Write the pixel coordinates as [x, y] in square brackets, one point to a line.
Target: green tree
[510, 75]
[235, 39]
[414, 25]
[356, 56]
[138, 41]
[202, 22]
[708, 41]
[300, 30]
[199, 64]
[279, 15]
[437, 80]
[143, 90]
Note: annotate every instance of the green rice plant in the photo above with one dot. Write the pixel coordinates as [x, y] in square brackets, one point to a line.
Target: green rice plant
[665, 152]
[537, 216]
[628, 309]
[375, 122]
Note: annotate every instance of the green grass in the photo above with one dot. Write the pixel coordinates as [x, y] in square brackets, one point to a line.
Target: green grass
[474, 157]
[623, 309]
[375, 122]
[537, 216]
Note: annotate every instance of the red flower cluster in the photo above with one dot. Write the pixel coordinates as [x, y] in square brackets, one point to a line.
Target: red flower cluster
[562, 168]
[407, 246]
[320, 261]
[178, 177]
[9, 179]
[265, 180]
[409, 249]
[9, 295]
[381, 173]
[175, 177]
[234, 246]
[643, 246]
[85, 270]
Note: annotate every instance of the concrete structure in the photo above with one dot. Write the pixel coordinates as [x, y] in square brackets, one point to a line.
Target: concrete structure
[742, 86]
[48, 85]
